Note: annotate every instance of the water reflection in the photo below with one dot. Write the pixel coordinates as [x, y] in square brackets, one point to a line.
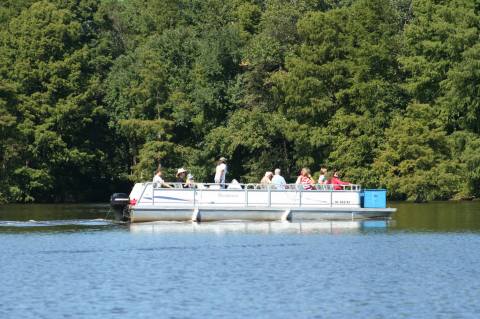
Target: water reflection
[38, 212]
[432, 217]
[54, 223]
[326, 227]
[438, 216]
[48, 226]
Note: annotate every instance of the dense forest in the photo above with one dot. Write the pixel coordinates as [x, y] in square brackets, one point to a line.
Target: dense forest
[95, 94]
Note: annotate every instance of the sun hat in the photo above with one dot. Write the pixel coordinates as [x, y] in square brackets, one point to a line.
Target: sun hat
[181, 170]
[222, 159]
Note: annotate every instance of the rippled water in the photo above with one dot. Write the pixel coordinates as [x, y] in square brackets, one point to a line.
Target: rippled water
[71, 262]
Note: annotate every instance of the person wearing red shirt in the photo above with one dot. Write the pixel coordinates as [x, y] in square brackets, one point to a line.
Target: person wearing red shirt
[336, 182]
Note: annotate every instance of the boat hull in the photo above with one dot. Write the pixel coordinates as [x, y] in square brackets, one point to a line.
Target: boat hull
[207, 214]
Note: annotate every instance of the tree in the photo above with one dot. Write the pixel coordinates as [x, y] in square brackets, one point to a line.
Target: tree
[461, 98]
[415, 162]
[434, 41]
[56, 66]
[102, 92]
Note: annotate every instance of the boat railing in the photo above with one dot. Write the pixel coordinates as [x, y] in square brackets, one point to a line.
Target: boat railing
[250, 187]
[257, 186]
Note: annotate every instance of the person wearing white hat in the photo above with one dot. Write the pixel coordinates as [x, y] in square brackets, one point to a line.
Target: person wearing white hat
[221, 172]
[181, 176]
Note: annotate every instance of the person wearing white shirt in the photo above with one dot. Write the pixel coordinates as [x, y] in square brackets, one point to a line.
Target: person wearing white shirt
[221, 172]
[158, 180]
[278, 181]
[323, 176]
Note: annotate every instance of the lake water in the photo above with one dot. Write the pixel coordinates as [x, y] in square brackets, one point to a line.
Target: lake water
[68, 261]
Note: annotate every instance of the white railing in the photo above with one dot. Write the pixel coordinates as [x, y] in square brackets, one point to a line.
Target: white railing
[253, 186]
[249, 188]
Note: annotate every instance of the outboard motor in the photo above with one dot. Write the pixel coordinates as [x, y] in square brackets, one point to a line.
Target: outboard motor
[119, 203]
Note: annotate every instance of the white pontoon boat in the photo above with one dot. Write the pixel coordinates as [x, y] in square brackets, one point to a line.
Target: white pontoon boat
[251, 202]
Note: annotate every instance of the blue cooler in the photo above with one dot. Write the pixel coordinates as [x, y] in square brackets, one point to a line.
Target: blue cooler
[374, 198]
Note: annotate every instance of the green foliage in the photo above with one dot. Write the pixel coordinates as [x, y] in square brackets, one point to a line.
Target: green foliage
[32, 184]
[56, 67]
[96, 94]
[11, 8]
[435, 39]
[415, 162]
[461, 100]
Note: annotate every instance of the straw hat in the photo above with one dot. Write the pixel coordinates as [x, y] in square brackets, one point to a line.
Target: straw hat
[181, 170]
[222, 159]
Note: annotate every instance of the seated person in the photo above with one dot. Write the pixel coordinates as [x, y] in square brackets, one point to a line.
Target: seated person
[336, 182]
[181, 178]
[278, 180]
[234, 185]
[266, 180]
[305, 179]
[190, 181]
[158, 180]
[323, 176]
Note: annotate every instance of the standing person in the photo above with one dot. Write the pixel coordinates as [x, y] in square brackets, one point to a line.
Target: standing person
[221, 172]
[267, 179]
[278, 180]
[323, 176]
[158, 180]
[305, 179]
